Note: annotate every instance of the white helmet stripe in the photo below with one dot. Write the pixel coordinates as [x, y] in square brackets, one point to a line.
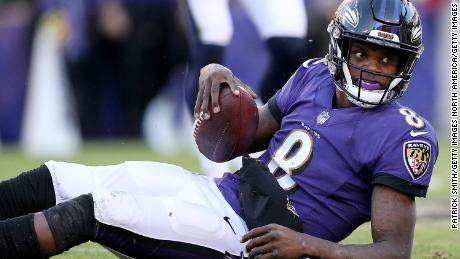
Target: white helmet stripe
[394, 83]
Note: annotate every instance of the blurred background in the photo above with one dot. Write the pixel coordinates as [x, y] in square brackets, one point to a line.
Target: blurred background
[103, 81]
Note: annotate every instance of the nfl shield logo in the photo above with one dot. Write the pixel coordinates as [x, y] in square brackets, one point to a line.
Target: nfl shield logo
[322, 117]
[417, 155]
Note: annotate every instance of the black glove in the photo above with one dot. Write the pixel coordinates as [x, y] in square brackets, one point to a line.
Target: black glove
[263, 200]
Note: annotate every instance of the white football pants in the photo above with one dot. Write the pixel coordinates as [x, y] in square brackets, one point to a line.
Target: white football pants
[156, 200]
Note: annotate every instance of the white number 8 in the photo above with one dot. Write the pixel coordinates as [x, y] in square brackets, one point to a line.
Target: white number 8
[290, 160]
[412, 118]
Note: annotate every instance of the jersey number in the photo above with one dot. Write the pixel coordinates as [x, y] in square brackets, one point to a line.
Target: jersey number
[291, 157]
[412, 118]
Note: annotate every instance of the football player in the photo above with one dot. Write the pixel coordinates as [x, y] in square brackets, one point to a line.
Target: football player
[341, 152]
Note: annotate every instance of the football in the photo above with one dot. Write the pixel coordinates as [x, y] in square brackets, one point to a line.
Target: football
[230, 132]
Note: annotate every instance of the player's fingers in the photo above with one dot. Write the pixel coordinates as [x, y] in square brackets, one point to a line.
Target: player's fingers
[257, 242]
[255, 232]
[205, 103]
[215, 90]
[273, 254]
[199, 100]
[237, 82]
[247, 88]
[261, 252]
[234, 85]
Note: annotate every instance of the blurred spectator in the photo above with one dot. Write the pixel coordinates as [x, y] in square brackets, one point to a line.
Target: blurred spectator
[131, 48]
[16, 30]
[281, 24]
[49, 127]
[320, 14]
[120, 52]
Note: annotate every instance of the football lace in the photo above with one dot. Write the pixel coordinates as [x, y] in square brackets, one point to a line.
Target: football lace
[197, 124]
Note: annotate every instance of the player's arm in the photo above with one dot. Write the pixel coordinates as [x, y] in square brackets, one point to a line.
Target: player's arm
[267, 126]
[393, 221]
[212, 77]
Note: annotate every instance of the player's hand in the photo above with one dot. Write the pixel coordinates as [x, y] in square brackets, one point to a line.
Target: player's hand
[275, 241]
[212, 78]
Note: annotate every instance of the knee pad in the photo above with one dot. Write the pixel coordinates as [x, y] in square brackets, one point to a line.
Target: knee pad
[195, 221]
[134, 212]
[115, 208]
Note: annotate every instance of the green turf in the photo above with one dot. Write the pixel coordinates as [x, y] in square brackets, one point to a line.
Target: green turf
[433, 237]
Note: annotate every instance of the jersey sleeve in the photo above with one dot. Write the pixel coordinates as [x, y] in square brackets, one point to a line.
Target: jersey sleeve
[406, 164]
[279, 103]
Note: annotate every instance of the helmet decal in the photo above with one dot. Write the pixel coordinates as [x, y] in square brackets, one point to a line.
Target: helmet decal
[417, 33]
[351, 16]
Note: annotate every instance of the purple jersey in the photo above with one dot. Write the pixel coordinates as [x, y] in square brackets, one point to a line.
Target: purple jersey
[328, 159]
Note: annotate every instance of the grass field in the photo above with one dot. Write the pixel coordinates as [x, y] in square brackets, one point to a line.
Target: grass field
[433, 236]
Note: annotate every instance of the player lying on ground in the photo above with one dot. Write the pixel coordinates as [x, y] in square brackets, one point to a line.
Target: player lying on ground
[339, 145]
